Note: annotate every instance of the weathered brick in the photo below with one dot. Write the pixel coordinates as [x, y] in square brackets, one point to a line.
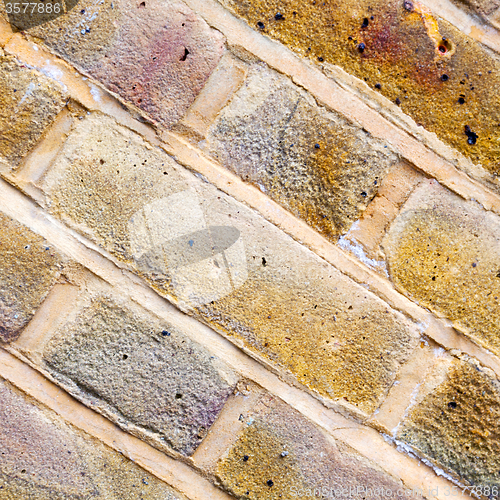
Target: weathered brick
[104, 175]
[156, 55]
[413, 58]
[229, 266]
[280, 454]
[44, 458]
[314, 163]
[141, 372]
[444, 253]
[29, 102]
[29, 267]
[456, 426]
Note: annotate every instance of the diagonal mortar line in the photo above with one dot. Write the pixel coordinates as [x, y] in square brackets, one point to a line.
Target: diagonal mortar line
[487, 35]
[175, 473]
[103, 101]
[431, 325]
[364, 439]
[332, 95]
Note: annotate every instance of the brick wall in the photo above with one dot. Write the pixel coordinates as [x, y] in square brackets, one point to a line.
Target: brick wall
[250, 250]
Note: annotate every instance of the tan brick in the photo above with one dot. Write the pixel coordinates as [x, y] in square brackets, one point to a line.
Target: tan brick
[280, 454]
[403, 51]
[45, 458]
[141, 372]
[314, 163]
[456, 426]
[29, 267]
[444, 253]
[156, 55]
[217, 258]
[29, 102]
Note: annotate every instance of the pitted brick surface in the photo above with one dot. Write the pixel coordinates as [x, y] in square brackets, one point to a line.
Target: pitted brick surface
[29, 267]
[155, 55]
[316, 164]
[146, 375]
[44, 458]
[29, 102]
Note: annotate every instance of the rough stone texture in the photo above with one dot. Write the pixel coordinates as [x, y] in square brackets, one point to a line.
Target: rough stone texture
[280, 445]
[104, 175]
[235, 270]
[44, 458]
[456, 426]
[156, 55]
[29, 102]
[482, 8]
[28, 269]
[141, 372]
[444, 253]
[314, 163]
[302, 314]
[403, 51]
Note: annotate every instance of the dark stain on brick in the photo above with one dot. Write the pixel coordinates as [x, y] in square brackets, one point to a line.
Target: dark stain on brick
[407, 47]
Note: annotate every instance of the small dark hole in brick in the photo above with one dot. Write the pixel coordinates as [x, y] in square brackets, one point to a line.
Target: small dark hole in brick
[444, 78]
[452, 404]
[279, 17]
[260, 25]
[365, 23]
[186, 53]
[245, 458]
[264, 261]
[178, 396]
[270, 482]
[461, 100]
[125, 356]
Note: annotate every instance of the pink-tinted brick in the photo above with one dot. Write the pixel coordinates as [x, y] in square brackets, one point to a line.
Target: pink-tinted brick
[155, 55]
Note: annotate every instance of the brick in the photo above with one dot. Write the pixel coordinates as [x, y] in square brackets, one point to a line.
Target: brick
[314, 163]
[29, 267]
[443, 252]
[456, 425]
[45, 458]
[141, 372]
[29, 102]
[221, 261]
[108, 173]
[401, 52]
[156, 55]
[280, 454]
